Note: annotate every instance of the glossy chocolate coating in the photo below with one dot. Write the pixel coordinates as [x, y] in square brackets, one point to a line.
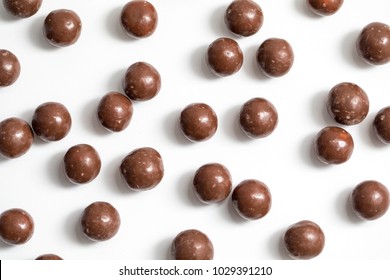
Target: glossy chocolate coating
[212, 183]
[198, 122]
[192, 244]
[16, 137]
[373, 43]
[252, 199]
[49, 257]
[82, 163]
[244, 17]
[381, 125]
[275, 57]
[304, 240]
[62, 27]
[115, 111]
[142, 81]
[100, 221]
[51, 121]
[324, 7]
[348, 104]
[370, 200]
[22, 8]
[139, 19]
[333, 145]
[142, 169]
[9, 68]
[224, 57]
[16, 226]
[258, 117]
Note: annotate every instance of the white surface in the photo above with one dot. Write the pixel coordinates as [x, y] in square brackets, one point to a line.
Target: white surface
[302, 188]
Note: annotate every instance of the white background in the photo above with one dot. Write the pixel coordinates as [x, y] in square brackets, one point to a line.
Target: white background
[301, 186]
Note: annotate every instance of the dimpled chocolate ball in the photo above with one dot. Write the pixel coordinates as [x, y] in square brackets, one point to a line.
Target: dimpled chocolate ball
[48, 257]
[348, 103]
[275, 57]
[192, 244]
[139, 19]
[16, 137]
[381, 125]
[333, 145]
[373, 43]
[16, 226]
[141, 82]
[212, 183]
[82, 163]
[198, 122]
[304, 240]
[115, 111]
[9, 68]
[224, 57]
[258, 118]
[142, 169]
[324, 7]
[244, 17]
[51, 121]
[100, 221]
[22, 8]
[370, 200]
[62, 27]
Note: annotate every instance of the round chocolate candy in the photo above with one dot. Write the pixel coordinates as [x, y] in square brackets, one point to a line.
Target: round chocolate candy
[115, 111]
[224, 57]
[16, 226]
[139, 19]
[16, 137]
[370, 200]
[82, 163]
[251, 199]
[373, 43]
[192, 244]
[258, 117]
[324, 7]
[141, 82]
[51, 121]
[100, 221]
[275, 57]
[212, 183]
[142, 169]
[198, 122]
[22, 8]
[244, 17]
[381, 125]
[348, 104]
[9, 68]
[62, 27]
[333, 145]
[48, 257]
[304, 240]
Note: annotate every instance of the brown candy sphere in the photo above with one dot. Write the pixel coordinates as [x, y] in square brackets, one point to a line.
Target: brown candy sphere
[192, 244]
[16, 137]
[212, 183]
[9, 68]
[324, 7]
[51, 121]
[139, 19]
[198, 122]
[115, 111]
[100, 221]
[224, 57]
[62, 27]
[333, 145]
[16, 226]
[48, 257]
[348, 104]
[244, 17]
[82, 163]
[373, 43]
[275, 57]
[381, 125]
[142, 169]
[370, 200]
[22, 8]
[258, 117]
[142, 81]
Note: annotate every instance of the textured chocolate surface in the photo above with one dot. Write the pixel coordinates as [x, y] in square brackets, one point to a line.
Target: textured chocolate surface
[16, 137]
[16, 226]
[192, 244]
[324, 7]
[22, 8]
[49, 257]
[381, 125]
[9, 68]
